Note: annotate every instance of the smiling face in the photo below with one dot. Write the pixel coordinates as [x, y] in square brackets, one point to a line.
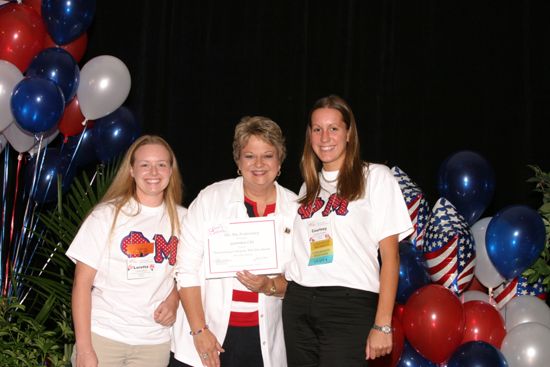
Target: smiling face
[329, 137]
[151, 171]
[259, 163]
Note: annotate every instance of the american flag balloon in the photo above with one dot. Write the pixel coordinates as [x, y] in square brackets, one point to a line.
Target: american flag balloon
[449, 248]
[418, 206]
[519, 286]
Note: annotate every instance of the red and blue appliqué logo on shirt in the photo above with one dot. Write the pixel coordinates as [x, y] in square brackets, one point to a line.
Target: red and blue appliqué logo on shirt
[135, 244]
[334, 204]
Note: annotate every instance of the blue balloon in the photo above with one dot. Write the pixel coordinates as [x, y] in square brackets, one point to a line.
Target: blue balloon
[79, 149]
[478, 354]
[45, 187]
[59, 66]
[67, 20]
[412, 274]
[514, 239]
[411, 358]
[114, 133]
[37, 104]
[467, 180]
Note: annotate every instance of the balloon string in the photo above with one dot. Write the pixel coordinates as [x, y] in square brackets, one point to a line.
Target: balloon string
[12, 226]
[73, 156]
[4, 207]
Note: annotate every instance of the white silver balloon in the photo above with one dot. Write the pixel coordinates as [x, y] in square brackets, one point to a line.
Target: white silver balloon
[525, 309]
[485, 271]
[475, 295]
[104, 85]
[527, 345]
[21, 140]
[9, 77]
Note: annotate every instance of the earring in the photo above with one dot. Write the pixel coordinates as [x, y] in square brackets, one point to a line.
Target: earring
[239, 172]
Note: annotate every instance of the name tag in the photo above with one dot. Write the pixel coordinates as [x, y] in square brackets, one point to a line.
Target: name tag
[320, 242]
[140, 268]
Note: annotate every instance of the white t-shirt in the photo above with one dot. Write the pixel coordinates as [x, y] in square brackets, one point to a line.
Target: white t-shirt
[134, 270]
[344, 236]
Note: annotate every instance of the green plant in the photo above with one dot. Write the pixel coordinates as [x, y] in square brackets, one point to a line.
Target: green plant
[541, 267]
[36, 326]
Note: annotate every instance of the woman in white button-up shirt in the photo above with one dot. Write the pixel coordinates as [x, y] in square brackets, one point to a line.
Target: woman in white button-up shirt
[206, 335]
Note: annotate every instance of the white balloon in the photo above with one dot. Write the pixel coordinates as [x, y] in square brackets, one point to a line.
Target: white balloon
[484, 271]
[527, 345]
[3, 142]
[475, 295]
[9, 77]
[104, 85]
[523, 309]
[21, 140]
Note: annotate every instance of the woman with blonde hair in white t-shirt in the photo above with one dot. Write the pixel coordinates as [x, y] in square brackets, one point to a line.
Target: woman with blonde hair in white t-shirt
[124, 298]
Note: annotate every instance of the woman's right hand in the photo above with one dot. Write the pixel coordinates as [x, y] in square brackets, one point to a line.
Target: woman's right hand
[208, 348]
[86, 359]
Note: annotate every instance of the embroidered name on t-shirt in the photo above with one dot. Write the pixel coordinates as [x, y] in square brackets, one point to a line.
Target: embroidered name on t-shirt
[135, 244]
[334, 204]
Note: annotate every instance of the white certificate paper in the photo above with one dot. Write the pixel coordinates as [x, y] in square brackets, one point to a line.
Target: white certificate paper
[248, 244]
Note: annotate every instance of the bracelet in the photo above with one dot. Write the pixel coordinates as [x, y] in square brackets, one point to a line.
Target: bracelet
[194, 333]
[271, 291]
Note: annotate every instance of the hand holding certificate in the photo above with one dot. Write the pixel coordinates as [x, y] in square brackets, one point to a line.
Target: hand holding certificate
[248, 244]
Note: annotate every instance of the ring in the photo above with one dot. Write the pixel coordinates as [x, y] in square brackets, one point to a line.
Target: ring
[204, 356]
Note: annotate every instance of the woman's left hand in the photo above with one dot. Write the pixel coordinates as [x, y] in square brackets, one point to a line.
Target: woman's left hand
[254, 283]
[378, 344]
[165, 313]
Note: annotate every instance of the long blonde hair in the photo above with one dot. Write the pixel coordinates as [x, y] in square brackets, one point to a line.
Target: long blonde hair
[123, 187]
[351, 182]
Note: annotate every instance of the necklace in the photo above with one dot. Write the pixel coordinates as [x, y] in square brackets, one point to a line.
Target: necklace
[329, 181]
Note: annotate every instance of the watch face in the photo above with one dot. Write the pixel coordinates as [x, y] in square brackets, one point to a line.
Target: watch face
[386, 329]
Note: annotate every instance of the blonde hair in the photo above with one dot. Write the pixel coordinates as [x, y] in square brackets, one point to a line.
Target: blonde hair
[261, 127]
[351, 182]
[123, 187]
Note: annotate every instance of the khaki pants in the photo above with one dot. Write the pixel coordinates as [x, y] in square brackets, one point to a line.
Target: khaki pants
[111, 353]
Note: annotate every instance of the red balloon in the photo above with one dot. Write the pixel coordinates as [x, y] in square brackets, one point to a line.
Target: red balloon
[36, 5]
[398, 337]
[483, 323]
[72, 119]
[21, 34]
[398, 311]
[76, 48]
[433, 321]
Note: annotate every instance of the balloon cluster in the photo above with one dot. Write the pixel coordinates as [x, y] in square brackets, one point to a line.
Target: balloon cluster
[44, 92]
[461, 298]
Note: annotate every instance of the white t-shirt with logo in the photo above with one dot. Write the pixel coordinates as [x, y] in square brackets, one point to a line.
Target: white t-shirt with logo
[134, 267]
[336, 242]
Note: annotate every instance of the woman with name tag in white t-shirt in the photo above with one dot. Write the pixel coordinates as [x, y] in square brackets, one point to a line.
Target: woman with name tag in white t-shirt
[338, 306]
[124, 298]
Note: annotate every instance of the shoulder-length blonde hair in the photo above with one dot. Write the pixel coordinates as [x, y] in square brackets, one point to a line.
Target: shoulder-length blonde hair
[351, 181]
[123, 187]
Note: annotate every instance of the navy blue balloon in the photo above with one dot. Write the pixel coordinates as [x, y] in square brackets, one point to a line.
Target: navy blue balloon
[59, 66]
[79, 149]
[67, 20]
[478, 354]
[514, 239]
[47, 175]
[411, 358]
[37, 104]
[467, 180]
[412, 274]
[114, 133]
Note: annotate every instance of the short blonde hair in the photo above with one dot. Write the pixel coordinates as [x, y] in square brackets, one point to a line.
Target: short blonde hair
[261, 127]
[123, 187]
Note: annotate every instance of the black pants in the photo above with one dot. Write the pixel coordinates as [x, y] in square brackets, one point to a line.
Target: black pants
[327, 326]
[242, 349]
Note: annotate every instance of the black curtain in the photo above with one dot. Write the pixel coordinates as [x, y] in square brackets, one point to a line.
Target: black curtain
[424, 78]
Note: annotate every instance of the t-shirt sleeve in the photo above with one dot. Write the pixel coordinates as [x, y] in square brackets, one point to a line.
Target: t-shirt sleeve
[393, 217]
[91, 239]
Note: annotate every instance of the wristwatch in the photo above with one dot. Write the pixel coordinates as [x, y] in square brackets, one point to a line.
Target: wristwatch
[386, 329]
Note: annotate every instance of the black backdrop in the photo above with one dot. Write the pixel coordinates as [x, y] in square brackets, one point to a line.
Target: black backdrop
[424, 78]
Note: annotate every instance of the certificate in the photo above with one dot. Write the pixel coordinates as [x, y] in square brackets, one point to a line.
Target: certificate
[248, 244]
